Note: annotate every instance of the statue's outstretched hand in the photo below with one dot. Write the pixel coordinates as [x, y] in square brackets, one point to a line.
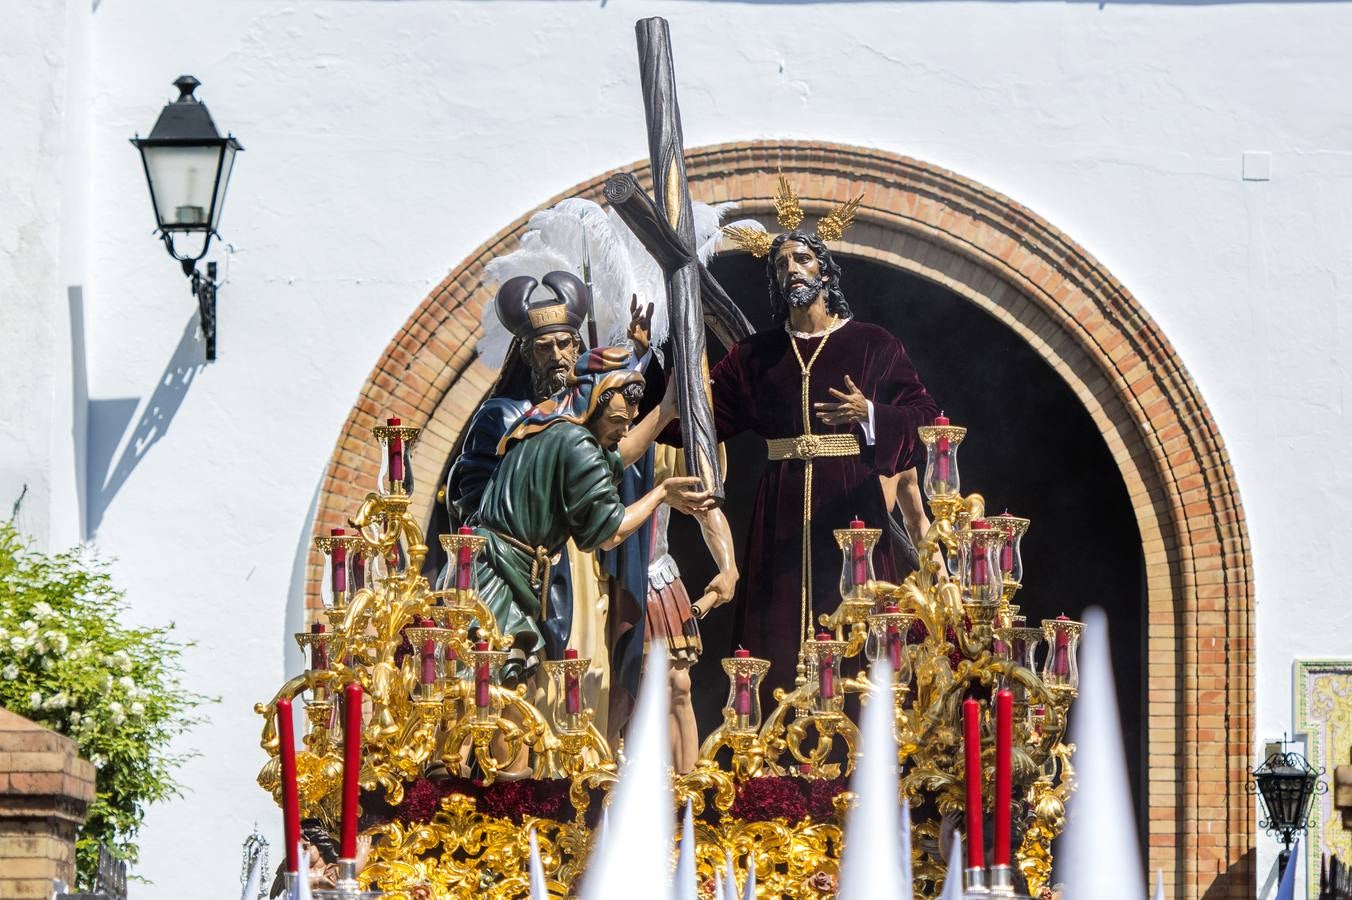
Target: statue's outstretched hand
[851, 410]
[640, 326]
[687, 494]
[719, 591]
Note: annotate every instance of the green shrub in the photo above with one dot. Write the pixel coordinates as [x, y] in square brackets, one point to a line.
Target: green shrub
[67, 662]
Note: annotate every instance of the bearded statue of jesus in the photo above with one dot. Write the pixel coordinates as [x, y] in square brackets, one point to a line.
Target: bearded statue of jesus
[838, 403]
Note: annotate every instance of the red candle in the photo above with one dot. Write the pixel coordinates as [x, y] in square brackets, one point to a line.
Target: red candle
[976, 844]
[742, 698]
[464, 561]
[358, 570]
[286, 736]
[396, 453]
[826, 673]
[979, 574]
[941, 449]
[482, 694]
[572, 689]
[1061, 656]
[859, 556]
[319, 651]
[351, 768]
[1007, 551]
[338, 567]
[429, 656]
[893, 640]
[1004, 785]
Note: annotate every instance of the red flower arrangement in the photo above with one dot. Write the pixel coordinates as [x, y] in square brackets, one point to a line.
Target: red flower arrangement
[784, 797]
[514, 800]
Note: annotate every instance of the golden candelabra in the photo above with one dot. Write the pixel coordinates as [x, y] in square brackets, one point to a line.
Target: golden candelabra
[430, 660]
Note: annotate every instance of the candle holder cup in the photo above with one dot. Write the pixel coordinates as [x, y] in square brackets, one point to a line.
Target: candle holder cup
[1061, 668]
[742, 711]
[396, 442]
[823, 672]
[856, 571]
[941, 459]
[568, 710]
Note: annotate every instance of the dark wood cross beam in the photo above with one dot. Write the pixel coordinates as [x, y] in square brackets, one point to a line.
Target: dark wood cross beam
[665, 225]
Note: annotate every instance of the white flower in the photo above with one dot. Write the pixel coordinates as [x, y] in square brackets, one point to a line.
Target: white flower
[46, 664]
[122, 661]
[75, 717]
[58, 641]
[10, 672]
[138, 709]
[117, 718]
[17, 644]
[115, 707]
[35, 700]
[127, 682]
[59, 700]
[29, 626]
[41, 646]
[106, 683]
[42, 609]
[97, 761]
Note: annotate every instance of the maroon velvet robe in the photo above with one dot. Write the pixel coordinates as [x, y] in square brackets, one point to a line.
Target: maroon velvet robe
[758, 386]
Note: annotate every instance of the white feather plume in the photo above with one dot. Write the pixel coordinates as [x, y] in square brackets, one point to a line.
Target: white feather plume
[620, 267]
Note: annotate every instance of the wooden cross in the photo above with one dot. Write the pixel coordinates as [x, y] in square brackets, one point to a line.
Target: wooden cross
[665, 225]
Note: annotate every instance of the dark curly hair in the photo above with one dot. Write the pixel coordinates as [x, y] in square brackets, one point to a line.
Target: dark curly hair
[633, 392]
[835, 297]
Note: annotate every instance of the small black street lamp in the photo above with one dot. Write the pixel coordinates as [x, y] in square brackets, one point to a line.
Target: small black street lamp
[1287, 784]
[188, 165]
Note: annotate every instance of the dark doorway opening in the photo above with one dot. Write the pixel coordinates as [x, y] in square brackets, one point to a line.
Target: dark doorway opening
[1031, 447]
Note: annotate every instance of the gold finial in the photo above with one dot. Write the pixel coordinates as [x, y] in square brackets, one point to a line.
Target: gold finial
[834, 223]
[787, 208]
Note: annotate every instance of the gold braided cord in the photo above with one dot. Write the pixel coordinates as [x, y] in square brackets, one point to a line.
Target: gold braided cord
[805, 612]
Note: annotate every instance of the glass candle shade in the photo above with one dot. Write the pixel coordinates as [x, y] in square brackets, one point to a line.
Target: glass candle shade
[315, 644]
[1061, 668]
[742, 712]
[336, 584]
[460, 578]
[856, 571]
[979, 562]
[888, 632]
[941, 457]
[396, 442]
[429, 646]
[485, 668]
[567, 707]
[1011, 552]
[823, 658]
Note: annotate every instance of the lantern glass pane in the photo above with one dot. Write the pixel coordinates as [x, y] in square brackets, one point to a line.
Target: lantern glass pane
[227, 166]
[182, 180]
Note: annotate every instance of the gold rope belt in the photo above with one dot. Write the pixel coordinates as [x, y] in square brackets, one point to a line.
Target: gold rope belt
[541, 566]
[810, 446]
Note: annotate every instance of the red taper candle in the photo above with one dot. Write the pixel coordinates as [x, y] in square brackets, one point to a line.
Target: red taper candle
[352, 701]
[742, 695]
[429, 656]
[971, 729]
[1004, 784]
[482, 694]
[941, 449]
[396, 452]
[859, 556]
[464, 561]
[338, 567]
[572, 689]
[826, 673]
[979, 574]
[286, 737]
[319, 652]
[1061, 655]
[893, 639]
[1007, 551]
[358, 570]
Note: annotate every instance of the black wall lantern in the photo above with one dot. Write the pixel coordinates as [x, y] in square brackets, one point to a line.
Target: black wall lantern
[1287, 784]
[187, 165]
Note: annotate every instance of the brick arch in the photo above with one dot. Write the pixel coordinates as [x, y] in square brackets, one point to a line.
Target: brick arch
[1084, 323]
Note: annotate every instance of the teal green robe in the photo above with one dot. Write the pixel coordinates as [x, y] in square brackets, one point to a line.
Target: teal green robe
[554, 485]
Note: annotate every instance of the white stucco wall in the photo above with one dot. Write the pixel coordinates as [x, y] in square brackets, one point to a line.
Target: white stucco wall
[386, 140]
